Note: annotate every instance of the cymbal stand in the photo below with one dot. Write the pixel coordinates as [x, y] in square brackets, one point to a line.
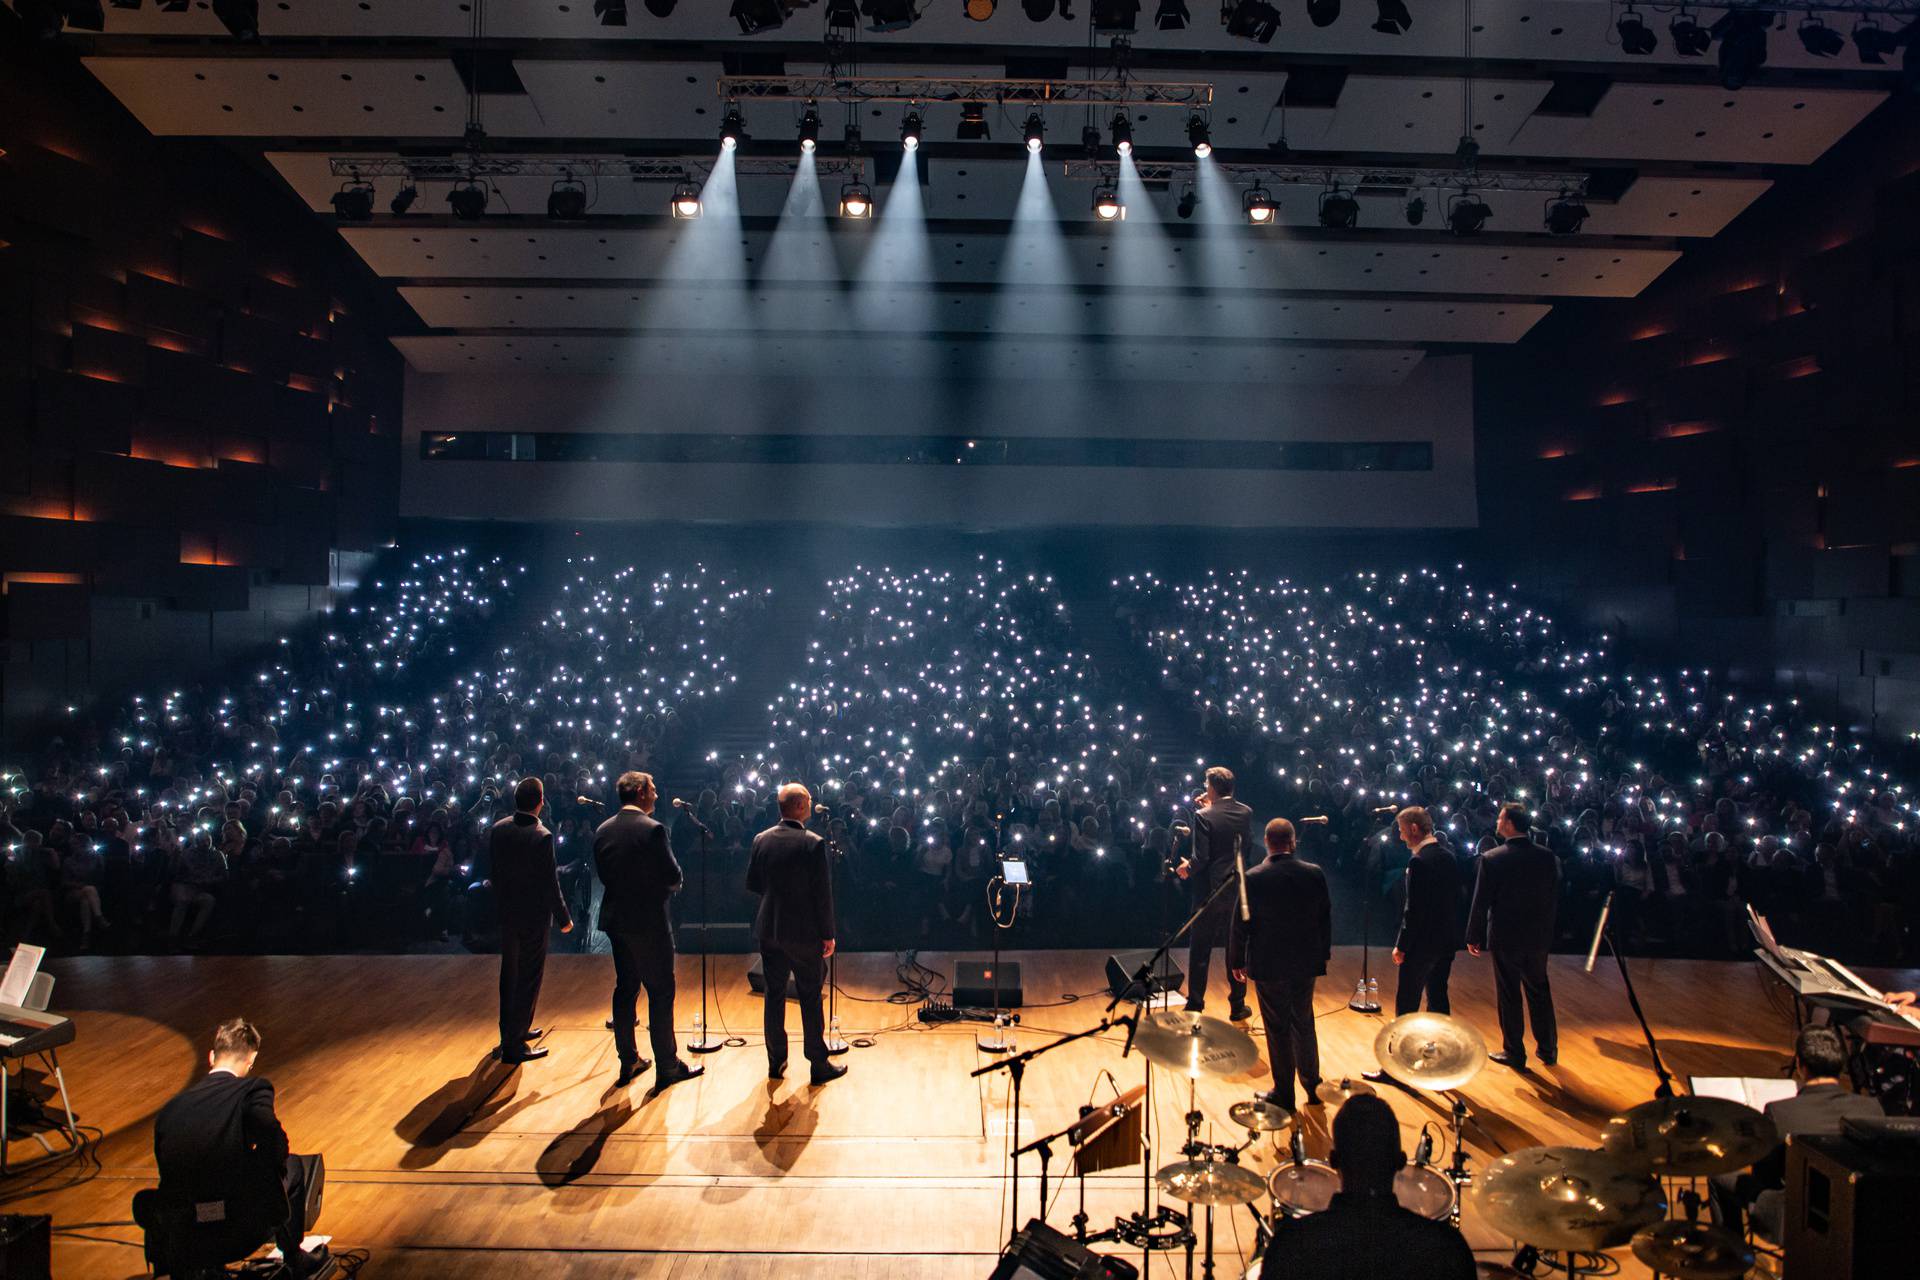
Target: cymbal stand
[1457, 1172]
[705, 1041]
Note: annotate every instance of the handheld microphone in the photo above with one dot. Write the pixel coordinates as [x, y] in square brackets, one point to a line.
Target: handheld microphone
[1599, 931]
[681, 804]
[1298, 1146]
[1317, 820]
[585, 800]
[1423, 1154]
[1387, 808]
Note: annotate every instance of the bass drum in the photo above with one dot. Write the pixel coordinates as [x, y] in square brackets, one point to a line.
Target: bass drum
[1301, 1189]
[1425, 1191]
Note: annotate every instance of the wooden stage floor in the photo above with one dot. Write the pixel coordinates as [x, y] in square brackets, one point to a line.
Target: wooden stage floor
[443, 1167]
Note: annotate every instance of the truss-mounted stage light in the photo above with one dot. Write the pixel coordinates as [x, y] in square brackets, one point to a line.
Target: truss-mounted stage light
[733, 129]
[856, 200]
[661, 8]
[1566, 215]
[1200, 136]
[1874, 43]
[612, 13]
[1339, 211]
[1034, 131]
[1416, 210]
[1115, 17]
[809, 130]
[1122, 132]
[1467, 213]
[1106, 203]
[567, 202]
[1172, 15]
[890, 15]
[1690, 39]
[843, 18]
[1819, 39]
[1090, 142]
[686, 200]
[468, 200]
[241, 18]
[1254, 20]
[353, 202]
[1038, 10]
[755, 16]
[403, 199]
[1636, 37]
[973, 122]
[1259, 207]
[910, 127]
[1189, 201]
[1742, 34]
[1393, 18]
[979, 10]
[1323, 13]
[86, 15]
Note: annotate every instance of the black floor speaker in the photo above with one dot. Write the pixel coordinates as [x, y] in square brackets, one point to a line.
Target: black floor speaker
[1849, 1209]
[1122, 965]
[757, 979]
[26, 1246]
[973, 985]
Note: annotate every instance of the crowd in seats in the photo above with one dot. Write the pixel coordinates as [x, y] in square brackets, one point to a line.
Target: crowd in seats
[1682, 795]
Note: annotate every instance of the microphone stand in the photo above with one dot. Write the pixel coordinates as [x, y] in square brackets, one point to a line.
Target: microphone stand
[706, 1043]
[836, 1043]
[1665, 1088]
[1363, 998]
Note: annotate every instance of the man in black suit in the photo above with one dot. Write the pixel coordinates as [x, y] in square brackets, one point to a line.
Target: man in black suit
[1283, 946]
[788, 869]
[1430, 921]
[1823, 1102]
[1514, 900]
[638, 875]
[227, 1182]
[1222, 829]
[526, 888]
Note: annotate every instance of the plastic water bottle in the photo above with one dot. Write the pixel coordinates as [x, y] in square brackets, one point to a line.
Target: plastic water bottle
[699, 1028]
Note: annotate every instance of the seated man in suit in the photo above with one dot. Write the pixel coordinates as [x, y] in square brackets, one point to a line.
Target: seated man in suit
[1820, 1060]
[227, 1182]
[1364, 1234]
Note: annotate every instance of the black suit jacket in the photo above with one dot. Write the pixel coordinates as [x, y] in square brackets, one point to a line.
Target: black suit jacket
[1514, 899]
[219, 1140]
[638, 873]
[1214, 830]
[1430, 920]
[788, 869]
[1290, 933]
[1816, 1109]
[526, 881]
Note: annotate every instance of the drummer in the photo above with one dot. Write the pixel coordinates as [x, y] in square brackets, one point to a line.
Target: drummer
[1364, 1234]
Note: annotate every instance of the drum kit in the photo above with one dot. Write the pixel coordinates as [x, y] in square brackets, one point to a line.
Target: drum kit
[1568, 1201]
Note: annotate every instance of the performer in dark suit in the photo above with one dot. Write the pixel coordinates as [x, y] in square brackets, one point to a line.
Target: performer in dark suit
[227, 1182]
[638, 875]
[1221, 826]
[526, 886]
[1284, 946]
[788, 869]
[1514, 901]
[1430, 931]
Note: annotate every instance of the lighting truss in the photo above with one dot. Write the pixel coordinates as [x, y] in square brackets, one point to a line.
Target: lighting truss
[1365, 179]
[638, 169]
[922, 89]
[1904, 8]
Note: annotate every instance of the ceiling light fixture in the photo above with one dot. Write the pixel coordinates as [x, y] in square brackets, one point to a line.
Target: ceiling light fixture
[1636, 37]
[1106, 203]
[910, 127]
[1339, 211]
[1258, 205]
[1035, 131]
[856, 200]
[1323, 13]
[1743, 45]
[468, 200]
[1172, 15]
[1467, 213]
[733, 129]
[755, 16]
[1038, 10]
[1254, 20]
[403, 199]
[1200, 136]
[686, 201]
[1566, 214]
[1122, 131]
[353, 202]
[567, 202]
[809, 130]
[973, 122]
[1874, 43]
[1115, 17]
[612, 13]
[1189, 201]
[979, 10]
[890, 15]
[1416, 211]
[1393, 19]
[1819, 39]
[1690, 39]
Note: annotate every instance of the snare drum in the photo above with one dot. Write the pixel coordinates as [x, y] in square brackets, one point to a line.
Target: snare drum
[1301, 1189]
[1425, 1191]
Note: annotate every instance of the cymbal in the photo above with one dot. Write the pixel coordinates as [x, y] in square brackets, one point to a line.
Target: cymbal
[1210, 1182]
[1692, 1251]
[1336, 1092]
[1693, 1137]
[1568, 1198]
[1195, 1044]
[1430, 1050]
[1259, 1116]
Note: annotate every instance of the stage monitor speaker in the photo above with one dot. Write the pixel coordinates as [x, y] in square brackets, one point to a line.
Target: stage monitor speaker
[1122, 965]
[26, 1246]
[1848, 1208]
[1041, 1253]
[757, 979]
[973, 984]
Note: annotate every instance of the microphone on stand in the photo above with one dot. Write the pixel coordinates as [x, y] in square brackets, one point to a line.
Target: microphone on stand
[1599, 931]
[1387, 808]
[1423, 1154]
[682, 804]
[1298, 1146]
[1317, 820]
[584, 800]
[1240, 865]
[1133, 1026]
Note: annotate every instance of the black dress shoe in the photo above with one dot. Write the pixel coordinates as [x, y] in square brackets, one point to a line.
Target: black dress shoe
[829, 1073]
[673, 1074]
[524, 1055]
[1195, 1006]
[1549, 1059]
[777, 1070]
[1239, 1013]
[1313, 1094]
[1278, 1099]
[630, 1071]
[1511, 1060]
[534, 1033]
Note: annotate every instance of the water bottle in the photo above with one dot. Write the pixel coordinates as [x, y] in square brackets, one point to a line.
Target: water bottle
[699, 1028]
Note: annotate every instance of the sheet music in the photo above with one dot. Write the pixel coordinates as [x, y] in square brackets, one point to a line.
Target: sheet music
[1754, 1091]
[20, 974]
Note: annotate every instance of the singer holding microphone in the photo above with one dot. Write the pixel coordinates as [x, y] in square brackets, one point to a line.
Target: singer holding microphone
[1222, 829]
[1281, 936]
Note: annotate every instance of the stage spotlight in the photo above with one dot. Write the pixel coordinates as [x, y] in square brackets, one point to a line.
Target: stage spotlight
[979, 10]
[1323, 13]
[468, 200]
[686, 200]
[1034, 131]
[613, 13]
[1393, 18]
[1172, 15]
[755, 16]
[1115, 17]
[973, 122]
[241, 18]
[851, 137]
[1416, 211]
[1200, 136]
[1566, 215]
[1820, 40]
[809, 130]
[567, 202]
[1106, 204]
[1090, 142]
[856, 200]
[1254, 20]
[661, 8]
[1467, 213]
[889, 15]
[1189, 201]
[843, 18]
[1339, 211]
[1743, 45]
[403, 199]
[1636, 37]
[353, 202]
[1874, 43]
[910, 131]
[733, 129]
[1258, 205]
[1122, 131]
[1690, 39]
[1038, 10]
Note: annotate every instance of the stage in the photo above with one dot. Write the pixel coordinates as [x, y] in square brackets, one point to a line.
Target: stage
[442, 1163]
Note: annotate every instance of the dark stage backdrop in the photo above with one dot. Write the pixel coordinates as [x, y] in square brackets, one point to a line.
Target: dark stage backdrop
[199, 411]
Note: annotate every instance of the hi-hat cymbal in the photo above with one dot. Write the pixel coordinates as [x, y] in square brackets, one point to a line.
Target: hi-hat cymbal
[1336, 1092]
[1430, 1050]
[1210, 1182]
[1692, 1251]
[1195, 1044]
[1257, 1115]
[1567, 1198]
[1693, 1137]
